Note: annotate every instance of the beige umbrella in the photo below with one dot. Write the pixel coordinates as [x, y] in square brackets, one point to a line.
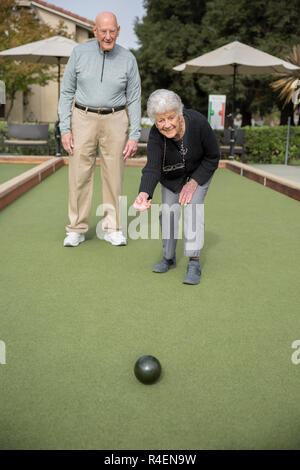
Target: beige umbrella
[234, 59]
[54, 50]
[236, 55]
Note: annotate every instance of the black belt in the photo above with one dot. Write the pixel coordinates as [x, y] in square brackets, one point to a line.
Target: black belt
[99, 110]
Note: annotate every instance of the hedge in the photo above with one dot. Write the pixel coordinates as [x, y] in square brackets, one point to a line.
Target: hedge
[262, 144]
[268, 144]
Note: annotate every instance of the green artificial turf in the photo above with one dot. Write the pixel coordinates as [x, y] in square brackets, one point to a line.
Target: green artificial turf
[75, 320]
[9, 170]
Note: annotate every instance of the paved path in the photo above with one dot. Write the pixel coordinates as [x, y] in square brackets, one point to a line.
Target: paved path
[288, 172]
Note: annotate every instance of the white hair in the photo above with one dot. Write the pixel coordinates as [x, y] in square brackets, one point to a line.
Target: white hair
[161, 101]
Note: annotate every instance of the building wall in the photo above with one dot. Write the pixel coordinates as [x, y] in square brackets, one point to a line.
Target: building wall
[43, 101]
[53, 20]
[82, 34]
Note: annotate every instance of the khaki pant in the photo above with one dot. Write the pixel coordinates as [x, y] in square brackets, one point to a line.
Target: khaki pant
[110, 133]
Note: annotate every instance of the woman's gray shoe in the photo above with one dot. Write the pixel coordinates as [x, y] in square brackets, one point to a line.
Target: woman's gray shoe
[193, 273]
[164, 265]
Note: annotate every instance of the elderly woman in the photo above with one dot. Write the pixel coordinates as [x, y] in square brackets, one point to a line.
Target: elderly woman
[182, 154]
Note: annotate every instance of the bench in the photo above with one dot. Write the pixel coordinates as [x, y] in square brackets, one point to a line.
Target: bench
[239, 141]
[142, 144]
[26, 135]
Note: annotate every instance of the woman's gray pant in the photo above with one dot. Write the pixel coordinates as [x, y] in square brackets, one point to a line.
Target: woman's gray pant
[193, 222]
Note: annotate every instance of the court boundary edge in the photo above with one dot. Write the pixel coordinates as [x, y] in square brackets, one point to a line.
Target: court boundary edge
[281, 185]
[15, 187]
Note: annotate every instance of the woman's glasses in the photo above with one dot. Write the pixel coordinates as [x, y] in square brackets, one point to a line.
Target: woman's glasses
[175, 166]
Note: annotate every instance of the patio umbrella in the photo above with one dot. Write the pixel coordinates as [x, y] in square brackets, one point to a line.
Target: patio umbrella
[53, 51]
[235, 59]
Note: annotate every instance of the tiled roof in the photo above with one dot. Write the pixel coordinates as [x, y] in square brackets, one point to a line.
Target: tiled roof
[65, 12]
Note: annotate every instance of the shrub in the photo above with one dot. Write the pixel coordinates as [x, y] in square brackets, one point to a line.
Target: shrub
[268, 144]
[262, 144]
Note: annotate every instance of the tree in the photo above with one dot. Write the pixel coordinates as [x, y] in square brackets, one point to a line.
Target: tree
[169, 34]
[174, 31]
[269, 26]
[20, 26]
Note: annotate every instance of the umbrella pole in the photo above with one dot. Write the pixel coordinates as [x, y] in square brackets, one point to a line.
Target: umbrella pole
[232, 132]
[58, 76]
[287, 141]
[56, 126]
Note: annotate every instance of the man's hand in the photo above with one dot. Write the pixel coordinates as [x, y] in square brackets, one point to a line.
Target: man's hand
[67, 141]
[130, 148]
[187, 192]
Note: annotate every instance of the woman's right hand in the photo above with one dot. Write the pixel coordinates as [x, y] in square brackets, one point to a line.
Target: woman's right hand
[141, 203]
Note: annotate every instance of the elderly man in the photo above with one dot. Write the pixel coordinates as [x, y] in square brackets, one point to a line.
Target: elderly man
[100, 91]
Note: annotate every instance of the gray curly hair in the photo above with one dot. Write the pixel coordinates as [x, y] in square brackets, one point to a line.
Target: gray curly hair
[162, 101]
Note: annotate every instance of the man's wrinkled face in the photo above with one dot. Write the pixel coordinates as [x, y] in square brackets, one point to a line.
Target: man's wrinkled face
[106, 31]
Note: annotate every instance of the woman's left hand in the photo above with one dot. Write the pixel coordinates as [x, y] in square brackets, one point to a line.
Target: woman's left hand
[187, 192]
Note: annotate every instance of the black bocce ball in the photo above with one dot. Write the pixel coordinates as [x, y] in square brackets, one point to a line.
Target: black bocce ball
[147, 369]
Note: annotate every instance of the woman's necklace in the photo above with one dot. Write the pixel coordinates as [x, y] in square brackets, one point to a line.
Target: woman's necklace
[181, 129]
[182, 150]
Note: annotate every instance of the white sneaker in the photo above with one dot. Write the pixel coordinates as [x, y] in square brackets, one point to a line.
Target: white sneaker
[73, 239]
[115, 238]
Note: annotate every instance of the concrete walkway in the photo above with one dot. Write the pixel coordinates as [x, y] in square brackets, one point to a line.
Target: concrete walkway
[288, 172]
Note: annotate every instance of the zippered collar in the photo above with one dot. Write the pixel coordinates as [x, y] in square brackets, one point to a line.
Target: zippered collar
[105, 54]
[103, 62]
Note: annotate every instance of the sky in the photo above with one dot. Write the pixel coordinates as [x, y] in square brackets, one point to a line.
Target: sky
[125, 10]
